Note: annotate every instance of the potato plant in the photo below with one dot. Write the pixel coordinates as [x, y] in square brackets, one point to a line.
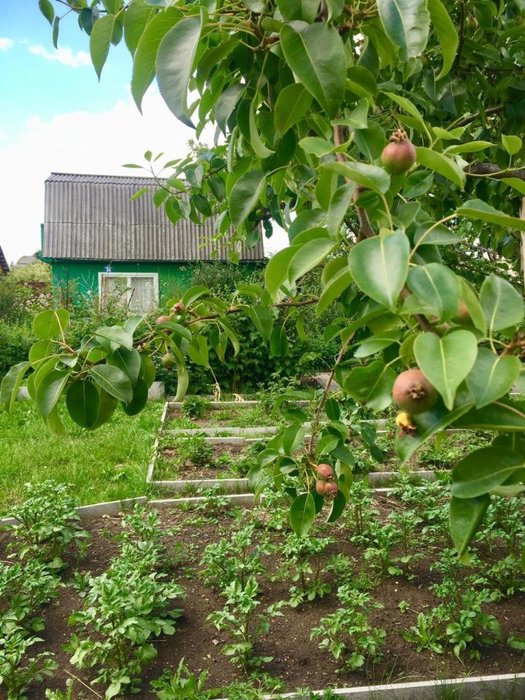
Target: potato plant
[390, 153]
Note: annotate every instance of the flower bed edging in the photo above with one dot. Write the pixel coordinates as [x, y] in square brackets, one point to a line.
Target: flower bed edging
[95, 510]
[510, 686]
[229, 486]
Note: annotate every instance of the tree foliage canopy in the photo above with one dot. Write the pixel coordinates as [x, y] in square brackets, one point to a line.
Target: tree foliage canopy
[421, 266]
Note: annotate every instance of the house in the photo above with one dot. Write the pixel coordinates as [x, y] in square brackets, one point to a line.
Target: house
[4, 267]
[26, 260]
[98, 239]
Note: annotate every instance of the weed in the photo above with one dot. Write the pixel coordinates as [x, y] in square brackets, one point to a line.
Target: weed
[238, 620]
[347, 634]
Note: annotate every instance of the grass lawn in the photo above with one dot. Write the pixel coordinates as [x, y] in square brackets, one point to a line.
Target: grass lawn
[107, 464]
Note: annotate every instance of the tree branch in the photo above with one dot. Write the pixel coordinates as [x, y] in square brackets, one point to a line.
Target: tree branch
[365, 227]
[472, 117]
[495, 171]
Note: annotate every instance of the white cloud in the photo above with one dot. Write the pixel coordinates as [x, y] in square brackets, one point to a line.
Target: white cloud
[78, 142]
[84, 142]
[6, 43]
[62, 55]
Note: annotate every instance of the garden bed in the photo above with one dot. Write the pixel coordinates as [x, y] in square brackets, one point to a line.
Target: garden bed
[382, 557]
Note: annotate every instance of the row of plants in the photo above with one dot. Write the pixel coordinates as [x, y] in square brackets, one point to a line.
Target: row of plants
[190, 457]
[260, 579]
[46, 530]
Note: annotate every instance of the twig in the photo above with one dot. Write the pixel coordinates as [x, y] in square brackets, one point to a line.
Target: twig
[365, 227]
[76, 678]
[495, 171]
[472, 117]
[315, 424]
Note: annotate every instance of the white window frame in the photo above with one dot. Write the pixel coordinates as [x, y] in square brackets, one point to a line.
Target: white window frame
[128, 276]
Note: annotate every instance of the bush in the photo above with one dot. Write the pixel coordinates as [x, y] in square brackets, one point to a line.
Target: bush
[15, 341]
[24, 292]
[257, 362]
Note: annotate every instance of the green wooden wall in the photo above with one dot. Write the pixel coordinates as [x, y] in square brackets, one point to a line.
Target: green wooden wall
[81, 276]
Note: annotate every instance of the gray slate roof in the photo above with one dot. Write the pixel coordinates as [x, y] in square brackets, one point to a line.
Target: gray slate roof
[92, 217]
[4, 267]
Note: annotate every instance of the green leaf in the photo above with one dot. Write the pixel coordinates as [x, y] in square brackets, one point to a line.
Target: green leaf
[194, 293]
[410, 108]
[379, 266]
[178, 329]
[139, 400]
[316, 146]
[293, 102]
[370, 176]
[111, 337]
[245, 195]
[474, 308]
[499, 416]
[278, 342]
[501, 303]
[82, 401]
[375, 343]
[146, 52]
[438, 287]
[309, 255]
[136, 18]
[262, 319]
[293, 437]
[484, 469]
[302, 514]
[50, 324]
[371, 385]
[446, 33]
[512, 144]
[128, 361]
[333, 288]
[492, 376]
[465, 516]
[114, 381]
[198, 351]
[47, 9]
[339, 205]
[439, 163]
[298, 9]
[481, 211]
[175, 61]
[406, 23]
[226, 104]
[317, 57]
[259, 148]
[471, 147]
[100, 40]
[147, 370]
[56, 29]
[49, 391]
[446, 361]
[276, 273]
[11, 383]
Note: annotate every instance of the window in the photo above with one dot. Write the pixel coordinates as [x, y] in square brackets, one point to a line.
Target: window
[139, 292]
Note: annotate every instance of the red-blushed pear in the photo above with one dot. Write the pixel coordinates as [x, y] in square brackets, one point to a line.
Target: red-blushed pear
[399, 155]
[413, 393]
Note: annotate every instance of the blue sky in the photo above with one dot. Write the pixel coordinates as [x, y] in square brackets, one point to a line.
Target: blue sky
[55, 116]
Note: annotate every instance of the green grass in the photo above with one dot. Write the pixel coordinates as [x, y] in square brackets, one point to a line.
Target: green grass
[106, 464]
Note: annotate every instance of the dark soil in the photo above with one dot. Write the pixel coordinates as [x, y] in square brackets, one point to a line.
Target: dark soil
[297, 660]
[224, 418]
[189, 470]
